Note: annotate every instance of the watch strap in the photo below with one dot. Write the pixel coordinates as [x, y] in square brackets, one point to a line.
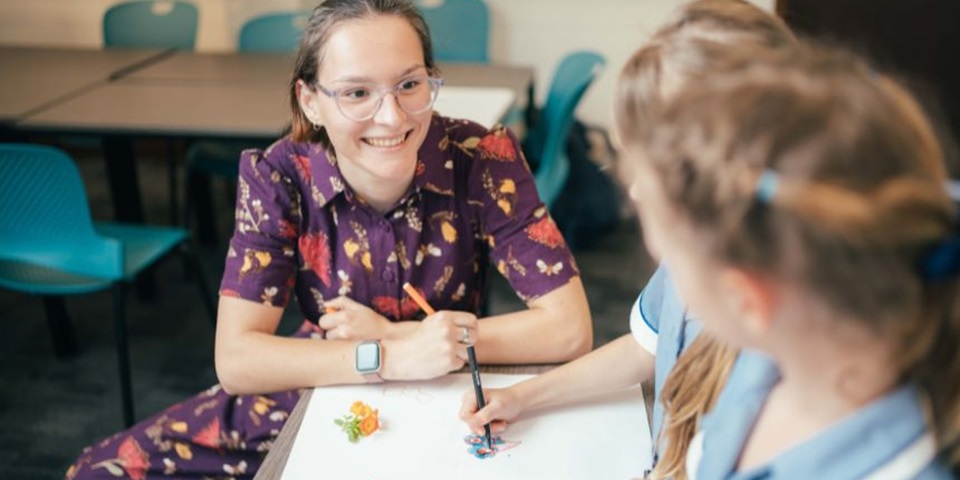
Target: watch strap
[372, 377]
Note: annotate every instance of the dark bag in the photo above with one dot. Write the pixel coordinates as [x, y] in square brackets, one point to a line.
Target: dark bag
[588, 208]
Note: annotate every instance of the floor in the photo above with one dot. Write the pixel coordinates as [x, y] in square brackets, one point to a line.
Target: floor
[51, 408]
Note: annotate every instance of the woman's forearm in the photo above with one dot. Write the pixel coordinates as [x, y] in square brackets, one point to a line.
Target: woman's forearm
[556, 328]
[251, 358]
[251, 363]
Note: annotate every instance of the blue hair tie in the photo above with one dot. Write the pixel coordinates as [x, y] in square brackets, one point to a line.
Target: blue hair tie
[767, 185]
[942, 262]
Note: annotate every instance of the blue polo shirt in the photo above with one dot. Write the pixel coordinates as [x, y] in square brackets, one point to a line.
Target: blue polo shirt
[660, 324]
[854, 448]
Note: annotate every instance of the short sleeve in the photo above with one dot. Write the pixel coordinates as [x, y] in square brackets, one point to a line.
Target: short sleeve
[645, 314]
[261, 260]
[525, 244]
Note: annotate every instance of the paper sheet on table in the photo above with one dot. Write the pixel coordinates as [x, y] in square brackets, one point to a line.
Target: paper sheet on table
[606, 437]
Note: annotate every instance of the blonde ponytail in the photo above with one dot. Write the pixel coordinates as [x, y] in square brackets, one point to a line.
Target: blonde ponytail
[689, 392]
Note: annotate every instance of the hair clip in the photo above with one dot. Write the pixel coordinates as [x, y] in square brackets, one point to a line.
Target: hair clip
[942, 262]
[766, 187]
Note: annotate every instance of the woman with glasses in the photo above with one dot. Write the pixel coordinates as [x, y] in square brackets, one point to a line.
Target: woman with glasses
[370, 190]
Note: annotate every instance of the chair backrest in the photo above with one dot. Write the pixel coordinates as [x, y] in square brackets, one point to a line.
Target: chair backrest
[273, 32]
[44, 216]
[151, 24]
[570, 80]
[460, 29]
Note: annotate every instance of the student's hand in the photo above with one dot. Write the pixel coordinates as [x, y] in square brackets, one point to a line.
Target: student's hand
[349, 320]
[431, 350]
[503, 406]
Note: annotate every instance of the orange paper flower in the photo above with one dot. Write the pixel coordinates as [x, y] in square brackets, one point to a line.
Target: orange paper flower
[360, 409]
[361, 422]
[370, 423]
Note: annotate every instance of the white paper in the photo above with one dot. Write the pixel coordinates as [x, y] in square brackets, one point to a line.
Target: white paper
[422, 437]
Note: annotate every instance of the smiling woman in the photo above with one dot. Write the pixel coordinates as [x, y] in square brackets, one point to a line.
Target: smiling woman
[375, 139]
[370, 190]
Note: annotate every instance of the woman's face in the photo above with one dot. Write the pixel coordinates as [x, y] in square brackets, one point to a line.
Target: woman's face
[366, 57]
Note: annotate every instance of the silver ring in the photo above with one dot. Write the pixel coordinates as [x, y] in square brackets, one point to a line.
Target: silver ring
[465, 336]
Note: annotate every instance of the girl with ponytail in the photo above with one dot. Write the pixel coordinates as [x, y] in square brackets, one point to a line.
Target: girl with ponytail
[800, 203]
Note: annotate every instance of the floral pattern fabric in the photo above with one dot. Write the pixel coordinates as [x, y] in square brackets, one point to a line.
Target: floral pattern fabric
[301, 230]
[212, 435]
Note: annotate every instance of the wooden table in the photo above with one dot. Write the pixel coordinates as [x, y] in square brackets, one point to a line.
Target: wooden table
[184, 95]
[275, 69]
[135, 108]
[36, 78]
[276, 460]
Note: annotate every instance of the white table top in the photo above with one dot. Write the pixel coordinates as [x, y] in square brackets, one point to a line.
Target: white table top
[486, 106]
[604, 437]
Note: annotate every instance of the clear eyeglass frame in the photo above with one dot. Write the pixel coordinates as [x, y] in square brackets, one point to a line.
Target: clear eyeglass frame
[433, 83]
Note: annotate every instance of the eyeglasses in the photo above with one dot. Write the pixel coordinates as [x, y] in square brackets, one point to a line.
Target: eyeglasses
[361, 102]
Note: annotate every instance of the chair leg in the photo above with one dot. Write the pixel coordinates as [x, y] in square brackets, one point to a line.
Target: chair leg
[61, 330]
[174, 204]
[125, 193]
[188, 202]
[123, 352]
[230, 187]
[198, 184]
[191, 258]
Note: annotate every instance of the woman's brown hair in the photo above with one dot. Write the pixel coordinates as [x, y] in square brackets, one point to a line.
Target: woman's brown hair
[859, 205]
[704, 36]
[323, 21]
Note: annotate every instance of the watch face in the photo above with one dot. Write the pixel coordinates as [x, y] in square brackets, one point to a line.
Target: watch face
[368, 357]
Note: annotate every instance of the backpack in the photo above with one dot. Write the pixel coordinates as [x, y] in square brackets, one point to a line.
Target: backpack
[589, 207]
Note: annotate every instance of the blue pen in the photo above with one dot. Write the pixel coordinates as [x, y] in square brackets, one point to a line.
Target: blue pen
[478, 389]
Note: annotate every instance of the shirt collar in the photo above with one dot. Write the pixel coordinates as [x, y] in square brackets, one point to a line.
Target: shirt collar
[852, 448]
[434, 167]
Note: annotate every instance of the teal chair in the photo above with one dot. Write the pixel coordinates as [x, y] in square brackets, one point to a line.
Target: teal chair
[273, 32]
[151, 24]
[164, 24]
[49, 245]
[546, 142]
[460, 29]
[269, 33]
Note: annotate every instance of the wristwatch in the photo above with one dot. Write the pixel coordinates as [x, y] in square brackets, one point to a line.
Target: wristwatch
[369, 360]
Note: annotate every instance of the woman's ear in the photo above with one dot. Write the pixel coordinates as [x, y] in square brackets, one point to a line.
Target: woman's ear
[309, 103]
[754, 299]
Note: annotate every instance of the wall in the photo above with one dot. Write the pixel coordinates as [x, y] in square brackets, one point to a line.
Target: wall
[527, 32]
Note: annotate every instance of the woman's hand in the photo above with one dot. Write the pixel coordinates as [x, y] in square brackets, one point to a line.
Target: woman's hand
[434, 348]
[349, 320]
[503, 406]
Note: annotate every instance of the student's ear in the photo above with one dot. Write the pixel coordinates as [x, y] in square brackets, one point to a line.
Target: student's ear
[754, 299]
[309, 103]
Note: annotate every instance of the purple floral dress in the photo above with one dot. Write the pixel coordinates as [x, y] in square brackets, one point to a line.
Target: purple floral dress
[301, 229]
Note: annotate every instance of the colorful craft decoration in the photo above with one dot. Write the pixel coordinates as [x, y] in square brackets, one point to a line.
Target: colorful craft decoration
[478, 446]
[362, 421]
